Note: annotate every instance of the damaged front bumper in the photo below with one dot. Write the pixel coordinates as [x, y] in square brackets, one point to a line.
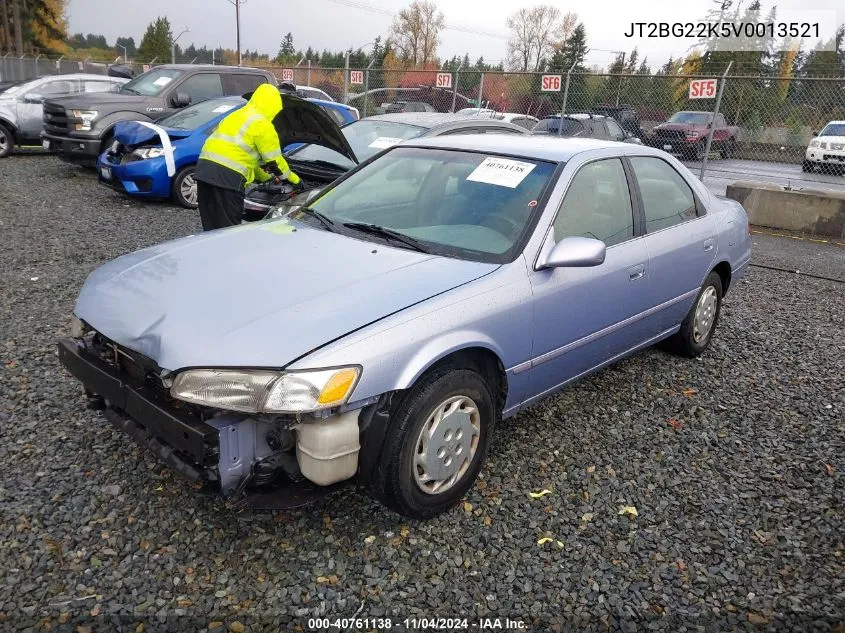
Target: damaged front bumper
[252, 463]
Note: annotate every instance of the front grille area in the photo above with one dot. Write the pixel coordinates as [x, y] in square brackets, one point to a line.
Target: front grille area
[837, 146]
[55, 119]
[669, 135]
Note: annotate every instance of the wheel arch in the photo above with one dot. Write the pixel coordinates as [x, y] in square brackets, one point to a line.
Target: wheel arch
[723, 269]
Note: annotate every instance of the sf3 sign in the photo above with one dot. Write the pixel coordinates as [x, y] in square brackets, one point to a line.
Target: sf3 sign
[287, 74]
[703, 88]
[550, 83]
[444, 80]
[356, 77]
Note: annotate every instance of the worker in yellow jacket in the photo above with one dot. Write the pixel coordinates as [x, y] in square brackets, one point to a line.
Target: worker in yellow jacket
[243, 149]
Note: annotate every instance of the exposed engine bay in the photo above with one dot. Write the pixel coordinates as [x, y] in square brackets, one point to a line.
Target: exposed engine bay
[262, 197]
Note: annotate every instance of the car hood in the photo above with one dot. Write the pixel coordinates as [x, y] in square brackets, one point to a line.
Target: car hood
[257, 295]
[684, 127]
[301, 121]
[101, 99]
[133, 133]
[830, 139]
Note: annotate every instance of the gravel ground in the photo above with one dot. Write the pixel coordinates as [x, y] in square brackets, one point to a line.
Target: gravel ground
[734, 463]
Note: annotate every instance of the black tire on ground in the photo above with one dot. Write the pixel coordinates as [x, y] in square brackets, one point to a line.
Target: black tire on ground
[807, 166]
[729, 148]
[689, 341]
[7, 141]
[183, 187]
[394, 481]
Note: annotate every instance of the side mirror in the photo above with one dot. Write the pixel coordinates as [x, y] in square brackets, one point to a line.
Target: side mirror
[629, 134]
[575, 252]
[181, 100]
[815, 133]
[33, 97]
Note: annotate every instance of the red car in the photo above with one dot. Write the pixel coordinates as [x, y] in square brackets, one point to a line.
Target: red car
[685, 133]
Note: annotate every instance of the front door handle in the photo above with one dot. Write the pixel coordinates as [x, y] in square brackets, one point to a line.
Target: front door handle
[636, 272]
[708, 244]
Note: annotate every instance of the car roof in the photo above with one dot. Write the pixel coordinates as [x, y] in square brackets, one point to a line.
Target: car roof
[330, 104]
[431, 120]
[91, 76]
[577, 115]
[835, 123]
[549, 148]
[211, 67]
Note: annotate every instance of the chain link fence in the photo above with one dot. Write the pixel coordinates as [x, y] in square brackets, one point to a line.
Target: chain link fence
[760, 119]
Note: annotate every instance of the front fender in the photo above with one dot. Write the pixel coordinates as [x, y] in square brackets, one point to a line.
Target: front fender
[7, 117]
[439, 348]
[105, 124]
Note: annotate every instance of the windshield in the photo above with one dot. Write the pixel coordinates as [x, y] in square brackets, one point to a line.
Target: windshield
[571, 127]
[460, 204]
[197, 115]
[366, 137]
[833, 129]
[18, 88]
[151, 83]
[692, 118]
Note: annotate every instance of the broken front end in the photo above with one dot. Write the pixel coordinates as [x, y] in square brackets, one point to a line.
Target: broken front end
[253, 460]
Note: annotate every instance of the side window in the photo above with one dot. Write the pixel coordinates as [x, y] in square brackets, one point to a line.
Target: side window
[616, 132]
[243, 83]
[98, 86]
[597, 204]
[599, 130]
[59, 87]
[667, 198]
[502, 130]
[202, 86]
[720, 120]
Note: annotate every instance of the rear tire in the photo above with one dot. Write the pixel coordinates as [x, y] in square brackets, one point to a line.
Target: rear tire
[7, 141]
[700, 323]
[183, 188]
[428, 463]
[728, 149]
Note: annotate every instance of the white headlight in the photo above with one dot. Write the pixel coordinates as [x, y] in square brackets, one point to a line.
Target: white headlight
[87, 117]
[261, 391]
[814, 143]
[148, 152]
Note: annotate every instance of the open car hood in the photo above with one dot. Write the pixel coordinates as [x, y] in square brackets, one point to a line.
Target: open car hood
[301, 121]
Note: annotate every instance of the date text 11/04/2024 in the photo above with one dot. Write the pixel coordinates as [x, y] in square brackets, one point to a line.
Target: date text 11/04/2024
[417, 624]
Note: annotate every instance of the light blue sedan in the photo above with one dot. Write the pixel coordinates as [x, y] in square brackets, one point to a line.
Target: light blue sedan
[379, 334]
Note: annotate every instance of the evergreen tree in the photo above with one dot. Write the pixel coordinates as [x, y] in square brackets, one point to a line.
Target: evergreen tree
[156, 41]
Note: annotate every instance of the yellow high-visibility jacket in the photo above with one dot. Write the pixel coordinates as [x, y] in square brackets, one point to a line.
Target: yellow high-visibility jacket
[246, 139]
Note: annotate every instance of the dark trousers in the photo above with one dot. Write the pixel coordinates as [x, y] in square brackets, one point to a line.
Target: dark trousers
[219, 207]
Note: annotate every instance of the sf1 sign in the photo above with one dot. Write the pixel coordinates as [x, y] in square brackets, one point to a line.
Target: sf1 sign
[356, 77]
[287, 74]
[444, 80]
[703, 88]
[551, 83]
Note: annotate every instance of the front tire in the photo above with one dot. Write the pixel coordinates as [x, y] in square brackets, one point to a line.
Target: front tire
[700, 323]
[7, 141]
[807, 166]
[436, 444]
[183, 189]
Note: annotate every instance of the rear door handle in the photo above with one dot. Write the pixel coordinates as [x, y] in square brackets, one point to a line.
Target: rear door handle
[636, 272]
[708, 244]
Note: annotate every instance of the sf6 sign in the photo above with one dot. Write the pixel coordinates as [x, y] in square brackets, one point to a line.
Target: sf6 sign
[444, 80]
[550, 83]
[356, 77]
[703, 88]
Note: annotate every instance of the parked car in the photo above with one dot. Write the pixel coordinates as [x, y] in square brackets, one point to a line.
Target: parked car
[624, 115]
[685, 133]
[309, 92]
[409, 106]
[21, 104]
[135, 163]
[827, 150]
[317, 165]
[378, 335]
[584, 125]
[522, 120]
[79, 129]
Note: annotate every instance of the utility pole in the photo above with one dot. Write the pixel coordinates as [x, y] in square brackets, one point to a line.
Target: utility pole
[238, 4]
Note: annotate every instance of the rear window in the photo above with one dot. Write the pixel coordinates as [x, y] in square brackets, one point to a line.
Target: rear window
[571, 127]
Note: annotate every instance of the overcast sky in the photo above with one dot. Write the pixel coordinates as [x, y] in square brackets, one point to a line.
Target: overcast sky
[333, 25]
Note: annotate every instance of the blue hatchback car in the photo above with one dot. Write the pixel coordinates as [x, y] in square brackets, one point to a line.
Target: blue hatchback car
[136, 164]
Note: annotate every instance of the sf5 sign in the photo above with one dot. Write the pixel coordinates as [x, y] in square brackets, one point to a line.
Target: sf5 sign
[444, 80]
[703, 88]
[550, 83]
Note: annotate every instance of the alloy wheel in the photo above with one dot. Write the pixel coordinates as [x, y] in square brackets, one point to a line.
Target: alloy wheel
[705, 314]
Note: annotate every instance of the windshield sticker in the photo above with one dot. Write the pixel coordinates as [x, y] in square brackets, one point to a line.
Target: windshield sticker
[383, 142]
[223, 108]
[502, 172]
[162, 81]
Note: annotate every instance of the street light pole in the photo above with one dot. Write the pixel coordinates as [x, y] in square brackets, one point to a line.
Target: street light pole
[173, 45]
[238, 4]
[125, 59]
